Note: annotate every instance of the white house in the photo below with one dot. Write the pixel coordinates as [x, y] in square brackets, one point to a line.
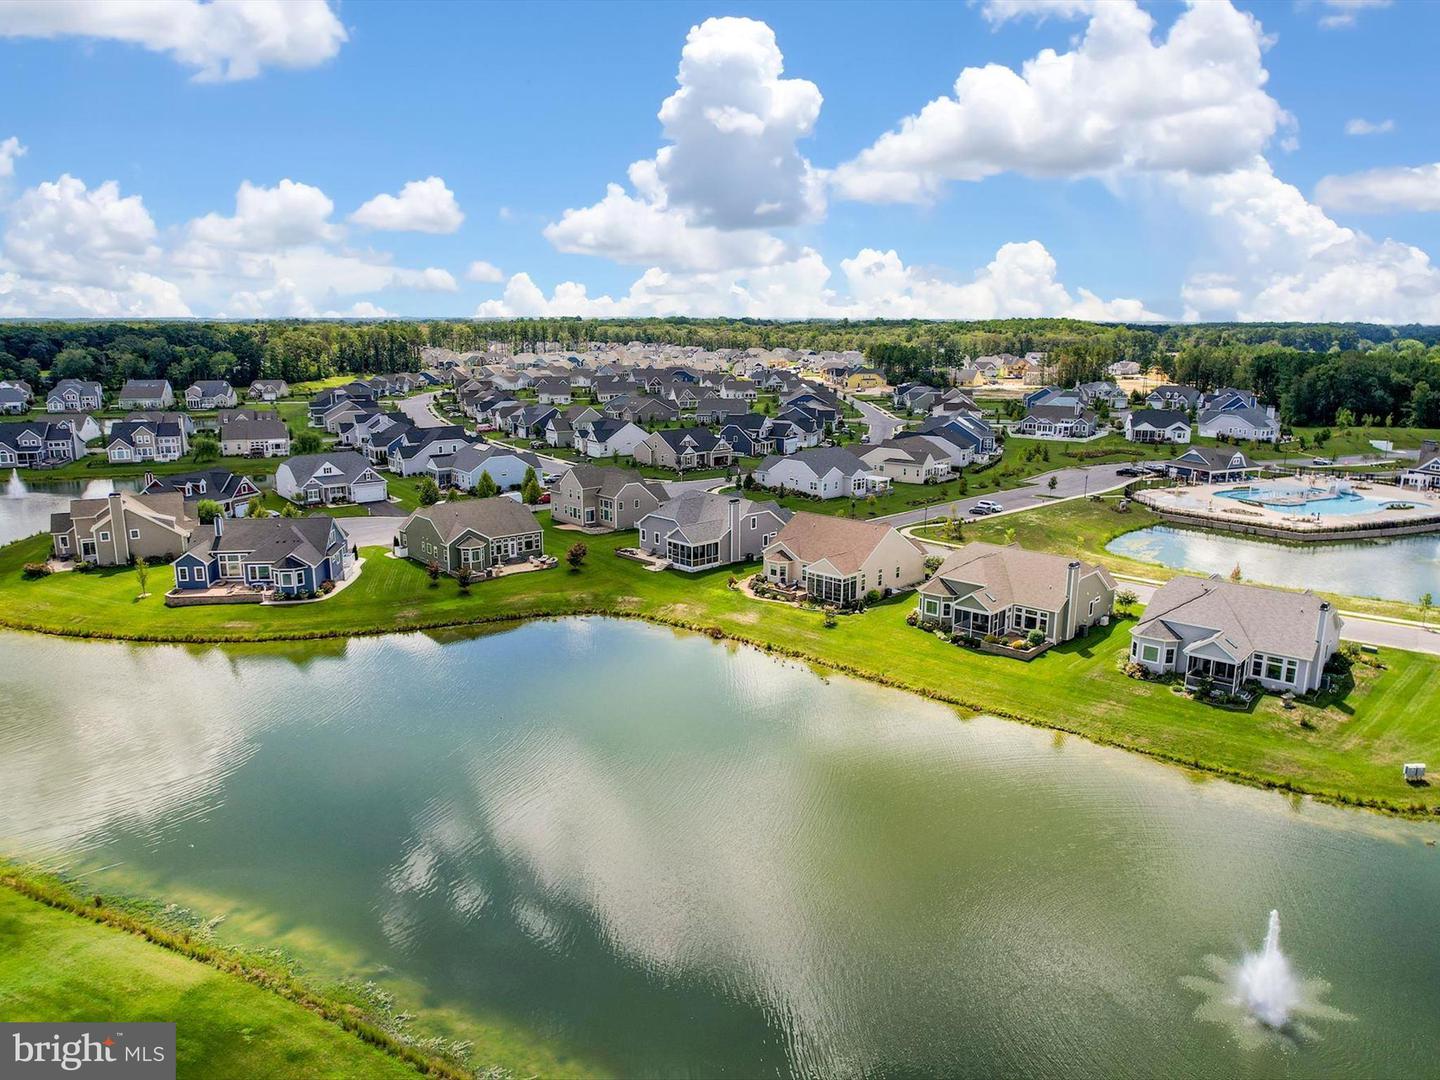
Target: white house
[323, 479]
[609, 438]
[825, 472]
[1157, 426]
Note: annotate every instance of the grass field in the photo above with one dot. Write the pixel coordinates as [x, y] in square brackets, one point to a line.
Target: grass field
[56, 966]
[98, 467]
[1348, 749]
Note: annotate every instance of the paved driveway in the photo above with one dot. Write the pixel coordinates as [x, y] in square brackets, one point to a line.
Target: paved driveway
[417, 408]
[370, 531]
[880, 423]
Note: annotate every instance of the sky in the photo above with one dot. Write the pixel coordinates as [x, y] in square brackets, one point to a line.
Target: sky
[1102, 160]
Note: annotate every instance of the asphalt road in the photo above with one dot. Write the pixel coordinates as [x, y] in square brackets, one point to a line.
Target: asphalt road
[417, 408]
[880, 423]
[1069, 484]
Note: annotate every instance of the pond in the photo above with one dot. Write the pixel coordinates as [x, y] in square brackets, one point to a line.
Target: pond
[1401, 568]
[26, 506]
[668, 857]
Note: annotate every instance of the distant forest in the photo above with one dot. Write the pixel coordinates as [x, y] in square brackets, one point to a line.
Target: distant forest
[1310, 370]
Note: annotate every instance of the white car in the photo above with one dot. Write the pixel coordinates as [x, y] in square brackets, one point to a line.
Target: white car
[1321, 461]
[985, 506]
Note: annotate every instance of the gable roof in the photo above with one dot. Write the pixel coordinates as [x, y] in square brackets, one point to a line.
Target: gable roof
[704, 517]
[1158, 418]
[609, 481]
[998, 577]
[488, 517]
[304, 466]
[275, 541]
[1247, 618]
[845, 543]
[821, 460]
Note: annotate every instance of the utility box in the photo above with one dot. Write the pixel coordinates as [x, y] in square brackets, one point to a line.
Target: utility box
[1414, 771]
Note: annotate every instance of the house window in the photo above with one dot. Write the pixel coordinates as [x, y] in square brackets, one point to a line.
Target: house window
[1150, 653]
[134, 534]
[642, 536]
[182, 573]
[104, 537]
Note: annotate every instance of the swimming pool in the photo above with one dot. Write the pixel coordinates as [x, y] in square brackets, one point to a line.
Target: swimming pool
[1296, 499]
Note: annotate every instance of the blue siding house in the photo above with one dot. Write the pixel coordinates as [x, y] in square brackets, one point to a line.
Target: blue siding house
[291, 556]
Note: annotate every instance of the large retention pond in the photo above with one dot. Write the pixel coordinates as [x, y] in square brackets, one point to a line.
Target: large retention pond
[661, 856]
[1402, 568]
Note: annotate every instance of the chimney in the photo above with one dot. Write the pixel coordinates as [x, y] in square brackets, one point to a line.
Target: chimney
[1072, 598]
[734, 512]
[219, 524]
[119, 538]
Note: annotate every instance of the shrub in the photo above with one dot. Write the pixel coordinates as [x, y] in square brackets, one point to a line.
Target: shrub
[873, 596]
[429, 491]
[37, 569]
[830, 621]
[913, 619]
[1035, 637]
[575, 556]
[1126, 597]
[327, 587]
[207, 510]
[932, 563]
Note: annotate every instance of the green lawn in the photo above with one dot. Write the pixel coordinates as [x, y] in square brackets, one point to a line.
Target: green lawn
[98, 466]
[1350, 751]
[1356, 440]
[57, 967]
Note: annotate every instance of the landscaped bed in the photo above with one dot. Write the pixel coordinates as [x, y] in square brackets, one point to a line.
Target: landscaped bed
[1351, 752]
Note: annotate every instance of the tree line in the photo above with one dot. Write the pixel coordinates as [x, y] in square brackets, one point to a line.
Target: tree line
[1309, 370]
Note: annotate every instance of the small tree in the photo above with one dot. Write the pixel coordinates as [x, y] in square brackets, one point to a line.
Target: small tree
[1426, 603]
[464, 577]
[486, 487]
[255, 507]
[208, 510]
[1053, 483]
[142, 574]
[1235, 574]
[290, 510]
[1126, 597]
[576, 555]
[308, 442]
[433, 569]
[206, 448]
[428, 491]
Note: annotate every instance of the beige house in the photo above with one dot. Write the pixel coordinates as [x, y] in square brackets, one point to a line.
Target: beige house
[840, 560]
[987, 589]
[121, 527]
[605, 499]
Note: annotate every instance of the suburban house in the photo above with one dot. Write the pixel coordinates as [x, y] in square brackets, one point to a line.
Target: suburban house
[1228, 634]
[412, 453]
[608, 438]
[1237, 421]
[1102, 393]
[642, 410]
[501, 463]
[841, 560]
[155, 416]
[323, 479]
[74, 395]
[253, 434]
[144, 440]
[684, 448]
[1057, 422]
[908, 461]
[211, 394]
[825, 472]
[699, 530]
[145, 394]
[1183, 398]
[968, 437]
[470, 534]
[863, 379]
[232, 492]
[38, 443]
[288, 556]
[122, 527]
[268, 390]
[552, 391]
[1157, 426]
[606, 499]
[985, 589]
[1426, 473]
[13, 400]
[1213, 465]
[738, 390]
[85, 426]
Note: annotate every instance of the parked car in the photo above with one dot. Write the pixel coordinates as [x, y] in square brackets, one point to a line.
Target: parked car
[1130, 470]
[1322, 461]
[985, 506]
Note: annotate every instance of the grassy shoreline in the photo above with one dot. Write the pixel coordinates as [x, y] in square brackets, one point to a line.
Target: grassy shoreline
[70, 955]
[1347, 750]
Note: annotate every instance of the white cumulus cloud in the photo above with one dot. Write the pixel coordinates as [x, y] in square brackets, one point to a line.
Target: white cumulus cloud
[285, 215]
[10, 149]
[480, 270]
[426, 206]
[222, 40]
[1118, 100]
[1382, 191]
[1343, 14]
[1361, 126]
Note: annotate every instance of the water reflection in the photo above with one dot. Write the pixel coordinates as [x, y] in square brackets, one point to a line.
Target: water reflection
[673, 860]
[1402, 568]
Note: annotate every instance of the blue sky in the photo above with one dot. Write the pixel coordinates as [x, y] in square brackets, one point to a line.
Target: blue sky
[1103, 189]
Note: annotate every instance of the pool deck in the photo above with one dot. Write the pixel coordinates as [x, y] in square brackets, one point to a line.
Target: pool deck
[1204, 504]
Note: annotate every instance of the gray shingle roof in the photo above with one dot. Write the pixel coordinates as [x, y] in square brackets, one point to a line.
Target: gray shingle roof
[488, 517]
[1254, 618]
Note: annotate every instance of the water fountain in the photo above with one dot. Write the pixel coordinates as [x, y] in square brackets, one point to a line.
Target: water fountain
[1267, 987]
[1260, 999]
[15, 487]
